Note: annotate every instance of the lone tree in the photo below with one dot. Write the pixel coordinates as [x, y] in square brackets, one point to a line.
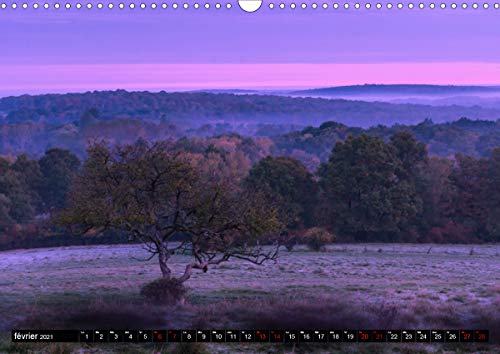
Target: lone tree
[156, 193]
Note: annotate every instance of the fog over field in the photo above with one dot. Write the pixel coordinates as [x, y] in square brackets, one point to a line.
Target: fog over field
[433, 95]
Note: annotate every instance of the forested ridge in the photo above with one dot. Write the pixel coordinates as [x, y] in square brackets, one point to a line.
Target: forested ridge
[206, 107]
[312, 145]
[302, 127]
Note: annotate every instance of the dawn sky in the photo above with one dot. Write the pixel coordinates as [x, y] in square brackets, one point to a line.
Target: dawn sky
[74, 50]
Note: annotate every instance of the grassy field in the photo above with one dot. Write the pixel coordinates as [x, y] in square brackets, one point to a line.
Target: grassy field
[348, 286]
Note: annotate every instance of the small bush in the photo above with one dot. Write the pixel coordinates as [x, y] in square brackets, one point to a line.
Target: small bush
[164, 291]
[317, 238]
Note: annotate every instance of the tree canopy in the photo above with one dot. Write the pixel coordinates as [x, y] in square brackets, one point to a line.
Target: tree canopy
[157, 194]
[364, 190]
[287, 184]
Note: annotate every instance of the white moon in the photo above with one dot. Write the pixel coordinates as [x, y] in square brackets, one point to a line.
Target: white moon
[250, 5]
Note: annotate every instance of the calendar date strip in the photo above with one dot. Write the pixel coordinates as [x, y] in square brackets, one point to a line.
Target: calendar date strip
[254, 336]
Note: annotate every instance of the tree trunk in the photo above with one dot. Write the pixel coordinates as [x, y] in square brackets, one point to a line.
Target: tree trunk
[163, 259]
[189, 270]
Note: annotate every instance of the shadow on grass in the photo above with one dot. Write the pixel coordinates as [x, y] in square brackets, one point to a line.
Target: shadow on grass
[95, 314]
[328, 312]
[269, 312]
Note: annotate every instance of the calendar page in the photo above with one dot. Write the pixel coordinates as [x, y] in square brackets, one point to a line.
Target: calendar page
[249, 176]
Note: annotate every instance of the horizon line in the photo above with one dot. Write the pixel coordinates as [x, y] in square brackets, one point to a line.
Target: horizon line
[36, 79]
[229, 90]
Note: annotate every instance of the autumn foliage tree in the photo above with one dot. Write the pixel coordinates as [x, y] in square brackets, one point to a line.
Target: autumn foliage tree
[156, 194]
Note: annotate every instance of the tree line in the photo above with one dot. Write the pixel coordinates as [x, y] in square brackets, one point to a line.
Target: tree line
[369, 189]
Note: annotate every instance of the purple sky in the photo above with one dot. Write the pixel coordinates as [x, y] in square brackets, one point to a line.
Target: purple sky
[76, 50]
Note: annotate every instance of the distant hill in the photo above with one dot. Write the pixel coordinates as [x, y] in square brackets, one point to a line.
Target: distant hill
[195, 109]
[398, 90]
[235, 91]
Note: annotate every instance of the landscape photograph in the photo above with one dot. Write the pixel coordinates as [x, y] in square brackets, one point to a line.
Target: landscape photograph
[284, 181]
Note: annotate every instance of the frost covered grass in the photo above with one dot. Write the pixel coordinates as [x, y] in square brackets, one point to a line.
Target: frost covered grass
[348, 286]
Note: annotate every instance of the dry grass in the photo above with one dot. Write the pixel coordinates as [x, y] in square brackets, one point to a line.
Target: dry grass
[349, 286]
